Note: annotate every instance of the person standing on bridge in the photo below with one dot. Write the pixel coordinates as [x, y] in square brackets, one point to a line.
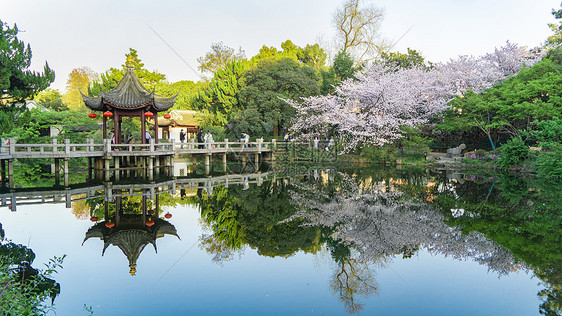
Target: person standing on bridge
[199, 137]
[182, 137]
[209, 140]
[147, 137]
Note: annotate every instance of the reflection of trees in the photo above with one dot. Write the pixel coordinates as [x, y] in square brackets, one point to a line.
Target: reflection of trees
[352, 278]
[252, 217]
[384, 223]
[524, 216]
[24, 289]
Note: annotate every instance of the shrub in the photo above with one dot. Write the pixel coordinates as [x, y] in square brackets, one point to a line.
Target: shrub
[513, 153]
[549, 163]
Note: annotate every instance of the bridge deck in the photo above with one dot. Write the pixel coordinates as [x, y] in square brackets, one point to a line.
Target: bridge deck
[13, 150]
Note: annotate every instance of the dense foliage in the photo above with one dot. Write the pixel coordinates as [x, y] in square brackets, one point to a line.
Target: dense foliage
[17, 83]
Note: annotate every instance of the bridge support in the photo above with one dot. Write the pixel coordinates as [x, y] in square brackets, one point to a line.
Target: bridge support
[11, 173]
[257, 161]
[65, 162]
[117, 167]
[3, 170]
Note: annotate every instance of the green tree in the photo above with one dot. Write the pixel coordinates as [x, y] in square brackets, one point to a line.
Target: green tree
[220, 96]
[556, 38]
[411, 59]
[16, 81]
[51, 99]
[342, 69]
[311, 55]
[111, 77]
[533, 95]
[273, 80]
[185, 89]
[218, 57]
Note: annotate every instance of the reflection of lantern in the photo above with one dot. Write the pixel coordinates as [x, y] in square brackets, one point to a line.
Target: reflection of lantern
[107, 114]
[109, 224]
[94, 218]
[92, 115]
[168, 215]
[148, 114]
[151, 212]
[167, 116]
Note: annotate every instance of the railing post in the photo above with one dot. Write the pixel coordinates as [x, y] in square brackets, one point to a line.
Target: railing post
[274, 144]
[67, 146]
[106, 146]
[55, 142]
[226, 143]
[173, 145]
[12, 146]
[151, 145]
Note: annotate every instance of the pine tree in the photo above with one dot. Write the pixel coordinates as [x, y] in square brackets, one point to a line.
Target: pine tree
[16, 82]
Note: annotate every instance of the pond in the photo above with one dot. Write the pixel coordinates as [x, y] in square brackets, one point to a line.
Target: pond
[297, 239]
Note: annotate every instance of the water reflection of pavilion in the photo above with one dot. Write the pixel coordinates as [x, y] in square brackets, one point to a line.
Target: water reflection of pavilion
[132, 235]
[131, 227]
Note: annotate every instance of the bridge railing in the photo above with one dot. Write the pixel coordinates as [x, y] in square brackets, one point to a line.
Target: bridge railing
[11, 147]
[225, 145]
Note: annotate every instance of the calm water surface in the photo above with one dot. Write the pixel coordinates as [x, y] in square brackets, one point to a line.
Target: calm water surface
[303, 240]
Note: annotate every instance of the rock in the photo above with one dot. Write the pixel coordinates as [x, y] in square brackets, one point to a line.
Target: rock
[455, 151]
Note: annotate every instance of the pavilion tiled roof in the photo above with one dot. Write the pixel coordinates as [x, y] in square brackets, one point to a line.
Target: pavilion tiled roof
[129, 94]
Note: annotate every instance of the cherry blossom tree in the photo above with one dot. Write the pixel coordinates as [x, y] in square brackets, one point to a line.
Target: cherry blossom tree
[372, 109]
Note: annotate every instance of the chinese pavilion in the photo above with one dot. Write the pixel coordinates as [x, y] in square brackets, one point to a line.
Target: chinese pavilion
[129, 99]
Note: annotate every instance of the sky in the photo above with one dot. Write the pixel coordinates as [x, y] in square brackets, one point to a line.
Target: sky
[70, 34]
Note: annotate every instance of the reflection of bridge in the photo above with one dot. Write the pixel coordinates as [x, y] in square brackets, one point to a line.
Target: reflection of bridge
[108, 191]
[106, 156]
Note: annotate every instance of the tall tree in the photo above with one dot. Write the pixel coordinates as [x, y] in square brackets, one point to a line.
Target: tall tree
[111, 77]
[342, 69]
[358, 29]
[17, 83]
[311, 55]
[220, 97]
[218, 57]
[556, 38]
[271, 81]
[78, 80]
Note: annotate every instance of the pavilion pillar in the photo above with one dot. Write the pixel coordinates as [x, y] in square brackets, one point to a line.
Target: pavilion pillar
[143, 128]
[116, 127]
[155, 127]
[120, 133]
[104, 127]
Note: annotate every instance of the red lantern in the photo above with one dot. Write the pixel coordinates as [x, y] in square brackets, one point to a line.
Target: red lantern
[148, 114]
[150, 223]
[92, 115]
[94, 219]
[109, 224]
[168, 215]
[167, 116]
[107, 114]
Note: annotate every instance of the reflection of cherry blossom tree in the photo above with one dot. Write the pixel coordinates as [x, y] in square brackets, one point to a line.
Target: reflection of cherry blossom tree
[379, 224]
[373, 108]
